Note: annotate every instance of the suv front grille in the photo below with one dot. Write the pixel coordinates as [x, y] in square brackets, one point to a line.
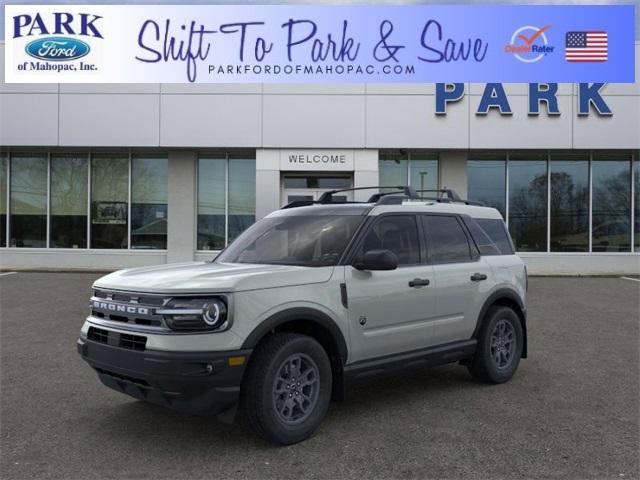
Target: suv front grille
[116, 339]
[130, 308]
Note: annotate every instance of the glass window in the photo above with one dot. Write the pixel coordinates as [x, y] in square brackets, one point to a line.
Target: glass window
[397, 233]
[423, 172]
[308, 240]
[528, 202]
[486, 180]
[242, 196]
[393, 169]
[212, 174]
[3, 200]
[497, 231]
[569, 220]
[149, 194]
[109, 197]
[611, 181]
[446, 240]
[485, 245]
[69, 180]
[28, 201]
[636, 188]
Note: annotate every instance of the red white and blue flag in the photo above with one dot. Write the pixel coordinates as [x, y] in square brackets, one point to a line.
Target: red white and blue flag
[586, 47]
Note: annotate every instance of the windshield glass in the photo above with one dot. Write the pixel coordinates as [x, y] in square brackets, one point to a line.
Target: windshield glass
[307, 240]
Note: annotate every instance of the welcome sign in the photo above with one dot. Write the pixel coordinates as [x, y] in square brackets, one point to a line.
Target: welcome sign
[327, 44]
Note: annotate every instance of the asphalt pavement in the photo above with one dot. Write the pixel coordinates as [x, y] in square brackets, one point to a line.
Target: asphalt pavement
[571, 411]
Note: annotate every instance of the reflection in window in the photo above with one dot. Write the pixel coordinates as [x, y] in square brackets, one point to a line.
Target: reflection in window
[3, 200]
[242, 195]
[419, 170]
[28, 201]
[446, 240]
[569, 222]
[69, 201]
[149, 195]
[109, 196]
[528, 203]
[212, 174]
[611, 230]
[396, 233]
[486, 181]
[423, 172]
[393, 169]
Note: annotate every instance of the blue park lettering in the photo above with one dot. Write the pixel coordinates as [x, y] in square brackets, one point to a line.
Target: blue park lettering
[494, 97]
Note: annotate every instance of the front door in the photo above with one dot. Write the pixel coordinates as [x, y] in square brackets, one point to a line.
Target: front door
[311, 187]
[391, 311]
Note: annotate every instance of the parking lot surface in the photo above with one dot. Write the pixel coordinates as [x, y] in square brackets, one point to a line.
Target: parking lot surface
[571, 411]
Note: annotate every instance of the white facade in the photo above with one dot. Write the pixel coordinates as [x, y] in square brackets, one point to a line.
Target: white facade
[352, 121]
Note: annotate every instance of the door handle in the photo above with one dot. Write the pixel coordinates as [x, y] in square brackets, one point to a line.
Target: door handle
[419, 282]
[478, 277]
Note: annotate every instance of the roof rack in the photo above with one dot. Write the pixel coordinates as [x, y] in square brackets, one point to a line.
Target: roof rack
[327, 197]
[395, 195]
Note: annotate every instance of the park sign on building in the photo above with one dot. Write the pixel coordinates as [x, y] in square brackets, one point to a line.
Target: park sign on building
[494, 97]
[319, 44]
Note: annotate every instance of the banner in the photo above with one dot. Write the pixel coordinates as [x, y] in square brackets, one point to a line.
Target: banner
[322, 44]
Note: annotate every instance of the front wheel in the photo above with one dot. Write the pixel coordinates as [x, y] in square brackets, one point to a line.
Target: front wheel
[287, 388]
[499, 346]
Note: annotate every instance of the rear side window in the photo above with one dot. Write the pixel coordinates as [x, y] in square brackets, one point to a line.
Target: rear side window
[480, 237]
[497, 232]
[446, 240]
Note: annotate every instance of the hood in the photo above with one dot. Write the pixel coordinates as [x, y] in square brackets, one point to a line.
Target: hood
[205, 277]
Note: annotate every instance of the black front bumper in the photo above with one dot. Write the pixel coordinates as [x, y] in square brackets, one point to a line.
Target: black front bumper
[192, 382]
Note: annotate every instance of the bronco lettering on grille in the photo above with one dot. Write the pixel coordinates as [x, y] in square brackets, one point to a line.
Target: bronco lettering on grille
[115, 307]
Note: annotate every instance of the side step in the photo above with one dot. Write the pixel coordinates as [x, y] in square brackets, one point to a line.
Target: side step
[428, 357]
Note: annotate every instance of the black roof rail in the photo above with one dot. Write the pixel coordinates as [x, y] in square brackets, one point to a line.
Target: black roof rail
[327, 197]
[449, 195]
[395, 195]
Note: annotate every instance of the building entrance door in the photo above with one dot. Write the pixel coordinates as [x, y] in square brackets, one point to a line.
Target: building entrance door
[311, 187]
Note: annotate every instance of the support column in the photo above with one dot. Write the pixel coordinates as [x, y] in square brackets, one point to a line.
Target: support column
[181, 228]
[267, 182]
[453, 172]
[365, 173]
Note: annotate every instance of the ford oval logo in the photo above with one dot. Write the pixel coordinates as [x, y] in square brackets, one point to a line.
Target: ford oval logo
[57, 49]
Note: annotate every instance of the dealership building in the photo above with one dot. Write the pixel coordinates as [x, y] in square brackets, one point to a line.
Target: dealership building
[105, 176]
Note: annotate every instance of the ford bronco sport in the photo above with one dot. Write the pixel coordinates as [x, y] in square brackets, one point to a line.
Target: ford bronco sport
[313, 296]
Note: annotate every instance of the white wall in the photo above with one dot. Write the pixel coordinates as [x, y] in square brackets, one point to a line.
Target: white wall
[303, 116]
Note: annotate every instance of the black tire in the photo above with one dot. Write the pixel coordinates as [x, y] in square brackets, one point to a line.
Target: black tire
[497, 363]
[265, 409]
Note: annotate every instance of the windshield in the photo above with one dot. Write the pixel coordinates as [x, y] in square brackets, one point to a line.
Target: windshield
[307, 240]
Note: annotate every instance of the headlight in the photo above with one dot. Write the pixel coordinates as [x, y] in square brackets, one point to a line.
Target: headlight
[196, 314]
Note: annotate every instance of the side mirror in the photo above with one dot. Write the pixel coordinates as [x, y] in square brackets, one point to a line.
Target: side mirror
[377, 260]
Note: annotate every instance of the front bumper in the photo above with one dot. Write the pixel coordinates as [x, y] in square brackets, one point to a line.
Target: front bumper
[201, 383]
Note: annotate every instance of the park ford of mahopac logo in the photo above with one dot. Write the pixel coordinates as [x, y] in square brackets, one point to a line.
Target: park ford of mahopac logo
[56, 40]
[57, 49]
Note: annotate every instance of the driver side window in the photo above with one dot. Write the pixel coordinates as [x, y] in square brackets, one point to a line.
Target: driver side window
[397, 233]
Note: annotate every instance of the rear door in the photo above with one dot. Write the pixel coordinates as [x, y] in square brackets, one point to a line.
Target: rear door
[391, 311]
[462, 278]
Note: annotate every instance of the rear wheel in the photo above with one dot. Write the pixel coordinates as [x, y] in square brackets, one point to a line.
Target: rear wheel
[287, 388]
[499, 346]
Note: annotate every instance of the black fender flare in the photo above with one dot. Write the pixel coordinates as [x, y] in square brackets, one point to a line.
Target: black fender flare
[299, 314]
[495, 297]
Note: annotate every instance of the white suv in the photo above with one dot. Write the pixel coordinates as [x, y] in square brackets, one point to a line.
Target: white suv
[313, 296]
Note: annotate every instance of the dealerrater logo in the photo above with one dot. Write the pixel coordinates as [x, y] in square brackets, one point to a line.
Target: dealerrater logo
[56, 38]
[529, 44]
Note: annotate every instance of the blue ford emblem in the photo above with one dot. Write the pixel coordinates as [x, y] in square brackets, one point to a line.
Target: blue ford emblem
[57, 49]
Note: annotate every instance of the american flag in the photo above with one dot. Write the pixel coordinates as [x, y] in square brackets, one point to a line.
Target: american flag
[586, 47]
